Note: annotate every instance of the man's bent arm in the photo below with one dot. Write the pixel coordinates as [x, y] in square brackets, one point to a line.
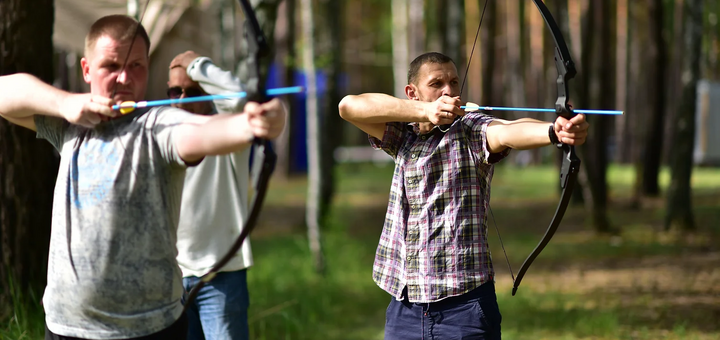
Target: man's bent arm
[370, 111]
[22, 96]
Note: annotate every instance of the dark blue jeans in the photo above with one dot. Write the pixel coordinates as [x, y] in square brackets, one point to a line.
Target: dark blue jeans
[220, 310]
[472, 316]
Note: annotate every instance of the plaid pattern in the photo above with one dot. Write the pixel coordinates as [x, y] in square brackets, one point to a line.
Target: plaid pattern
[434, 237]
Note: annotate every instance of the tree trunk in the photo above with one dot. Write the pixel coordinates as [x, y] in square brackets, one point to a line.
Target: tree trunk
[416, 24]
[313, 135]
[487, 36]
[653, 145]
[513, 44]
[28, 166]
[453, 33]
[580, 14]
[285, 58]
[638, 97]
[400, 43]
[621, 81]
[599, 89]
[332, 124]
[679, 201]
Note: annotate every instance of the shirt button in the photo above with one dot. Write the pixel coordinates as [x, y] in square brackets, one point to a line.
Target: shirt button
[414, 155]
[424, 137]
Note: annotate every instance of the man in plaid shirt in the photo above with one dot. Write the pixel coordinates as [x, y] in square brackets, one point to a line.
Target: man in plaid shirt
[433, 255]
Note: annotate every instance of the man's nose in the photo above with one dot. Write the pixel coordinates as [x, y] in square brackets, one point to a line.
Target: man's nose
[123, 77]
[447, 90]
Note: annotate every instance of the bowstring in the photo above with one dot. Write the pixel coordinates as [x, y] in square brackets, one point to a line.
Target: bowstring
[467, 68]
[122, 69]
[462, 87]
[132, 42]
[477, 34]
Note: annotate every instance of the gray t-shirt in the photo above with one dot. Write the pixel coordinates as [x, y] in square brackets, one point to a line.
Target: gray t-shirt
[112, 271]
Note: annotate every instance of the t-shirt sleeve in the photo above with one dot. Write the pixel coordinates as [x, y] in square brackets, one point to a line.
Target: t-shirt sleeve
[51, 129]
[392, 138]
[215, 80]
[167, 120]
[475, 125]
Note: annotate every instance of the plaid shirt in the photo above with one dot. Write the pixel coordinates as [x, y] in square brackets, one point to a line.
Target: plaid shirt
[434, 240]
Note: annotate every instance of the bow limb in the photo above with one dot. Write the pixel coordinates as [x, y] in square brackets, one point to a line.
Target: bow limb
[255, 90]
[571, 163]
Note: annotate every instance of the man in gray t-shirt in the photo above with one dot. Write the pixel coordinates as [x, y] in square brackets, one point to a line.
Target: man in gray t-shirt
[112, 272]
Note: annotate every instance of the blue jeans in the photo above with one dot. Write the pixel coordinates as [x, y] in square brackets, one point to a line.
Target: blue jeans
[220, 310]
[474, 315]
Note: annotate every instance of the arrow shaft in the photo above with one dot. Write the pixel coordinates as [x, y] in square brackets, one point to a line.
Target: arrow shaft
[270, 92]
[532, 109]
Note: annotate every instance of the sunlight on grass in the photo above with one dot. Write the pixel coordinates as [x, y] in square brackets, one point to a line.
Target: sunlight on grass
[342, 303]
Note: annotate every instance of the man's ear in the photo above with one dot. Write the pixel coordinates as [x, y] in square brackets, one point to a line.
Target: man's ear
[85, 65]
[411, 92]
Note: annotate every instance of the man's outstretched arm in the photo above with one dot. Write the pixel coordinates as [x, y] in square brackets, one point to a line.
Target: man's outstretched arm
[528, 133]
[22, 96]
[222, 134]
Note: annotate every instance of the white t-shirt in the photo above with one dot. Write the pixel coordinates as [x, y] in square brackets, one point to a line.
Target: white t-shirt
[215, 196]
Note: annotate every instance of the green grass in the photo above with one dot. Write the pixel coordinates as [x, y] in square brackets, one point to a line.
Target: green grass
[645, 284]
[24, 318]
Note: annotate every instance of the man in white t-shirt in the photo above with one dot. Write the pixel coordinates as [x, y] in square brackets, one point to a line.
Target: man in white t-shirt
[214, 210]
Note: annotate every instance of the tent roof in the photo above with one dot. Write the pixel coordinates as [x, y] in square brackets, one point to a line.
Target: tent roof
[73, 19]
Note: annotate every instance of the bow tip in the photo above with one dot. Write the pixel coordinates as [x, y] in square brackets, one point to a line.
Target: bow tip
[514, 291]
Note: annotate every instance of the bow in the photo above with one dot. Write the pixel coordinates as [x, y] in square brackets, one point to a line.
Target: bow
[570, 162]
[255, 91]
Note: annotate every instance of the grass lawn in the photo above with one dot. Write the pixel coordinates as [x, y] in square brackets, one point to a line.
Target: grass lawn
[644, 284]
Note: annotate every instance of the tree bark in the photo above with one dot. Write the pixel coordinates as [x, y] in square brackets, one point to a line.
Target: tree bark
[28, 166]
[453, 33]
[679, 201]
[487, 36]
[621, 81]
[653, 145]
[312, 214]
[332, 124]
[600, 94]
[285, 57]
[400, 46]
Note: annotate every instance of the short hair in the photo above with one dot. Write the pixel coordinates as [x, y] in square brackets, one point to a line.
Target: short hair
[118, 27]
[430, 57]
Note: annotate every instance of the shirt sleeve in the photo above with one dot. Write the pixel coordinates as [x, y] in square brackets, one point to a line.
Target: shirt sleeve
[475, 125]
[215, 80]
[392, 138]
[51, 129]
[167, 120]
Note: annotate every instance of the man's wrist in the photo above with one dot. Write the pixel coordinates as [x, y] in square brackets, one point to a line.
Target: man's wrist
[553, 136]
